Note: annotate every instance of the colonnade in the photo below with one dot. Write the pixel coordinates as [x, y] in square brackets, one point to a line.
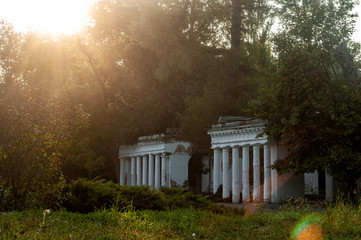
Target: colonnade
[240, 172]
[312, 184]
[151, 169]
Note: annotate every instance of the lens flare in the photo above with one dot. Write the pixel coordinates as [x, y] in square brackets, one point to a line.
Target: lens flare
[54, 17]
[308, 229]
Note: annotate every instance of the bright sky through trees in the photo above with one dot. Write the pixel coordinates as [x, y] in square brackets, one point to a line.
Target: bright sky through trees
[65, 16]
[357, 34]
[54, 17]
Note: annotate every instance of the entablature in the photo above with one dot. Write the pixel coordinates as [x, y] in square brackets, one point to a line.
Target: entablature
[238, 134]
[141, 148]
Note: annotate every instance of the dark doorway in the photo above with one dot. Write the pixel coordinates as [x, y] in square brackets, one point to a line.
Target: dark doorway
[195, 173]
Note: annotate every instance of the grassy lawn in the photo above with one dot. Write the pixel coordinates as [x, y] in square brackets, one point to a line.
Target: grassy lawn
[340, 221]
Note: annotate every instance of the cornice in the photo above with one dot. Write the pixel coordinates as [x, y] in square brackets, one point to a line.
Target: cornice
[150, 147]
[225, 132]
[227, 137]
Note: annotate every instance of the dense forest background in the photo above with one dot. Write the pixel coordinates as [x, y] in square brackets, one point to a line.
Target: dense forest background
[139, 67]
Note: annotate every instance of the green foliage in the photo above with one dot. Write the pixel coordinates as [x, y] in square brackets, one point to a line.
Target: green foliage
[141, 197]
[316, 116]
[314, 24]
[88, 195]
[143, 66]
[339, 221]
[183, 198]
[311, 105]
[48, 195]
[35, 136]
[38, 124]
[224, 210]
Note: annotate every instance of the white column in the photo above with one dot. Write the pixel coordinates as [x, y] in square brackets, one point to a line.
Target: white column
[236, 178]
[256, 174]
[128, 169]
[151, 171]
[145, 170]
[315, 183]
[139, 170]
[132, 172]
[217, 169]
[245, 173]
[329, 187]
[169, 171]
[225, 158]
[164, 171]
[157, 172]
[122, 171]
[274, 177]
[211, 172]
[267, 173]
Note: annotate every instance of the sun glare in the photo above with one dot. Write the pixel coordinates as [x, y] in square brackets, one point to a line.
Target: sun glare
[54, 17]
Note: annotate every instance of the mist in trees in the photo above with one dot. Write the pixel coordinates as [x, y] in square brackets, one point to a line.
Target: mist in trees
[139, 67]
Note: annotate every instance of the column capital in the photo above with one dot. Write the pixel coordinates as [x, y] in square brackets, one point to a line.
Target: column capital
[257, 145]
[236, 146]
[216, 148]
[245, 145]
[166, 154]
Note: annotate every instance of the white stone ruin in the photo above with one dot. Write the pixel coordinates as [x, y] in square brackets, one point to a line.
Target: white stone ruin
[157, 160]
[241, 160]
[243, 138]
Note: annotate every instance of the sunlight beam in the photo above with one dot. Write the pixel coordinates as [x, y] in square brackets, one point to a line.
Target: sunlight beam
[54, 17]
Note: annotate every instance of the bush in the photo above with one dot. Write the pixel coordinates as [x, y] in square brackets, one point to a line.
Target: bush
[87, 195]
[47, 195]
[182, 198]
[141, 197]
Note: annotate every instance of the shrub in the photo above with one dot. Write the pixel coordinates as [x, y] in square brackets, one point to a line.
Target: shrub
[140, 197]
[87, 195]
[47, 195]
[182, 198]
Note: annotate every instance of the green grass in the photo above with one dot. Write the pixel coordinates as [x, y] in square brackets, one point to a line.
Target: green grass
[339, 221]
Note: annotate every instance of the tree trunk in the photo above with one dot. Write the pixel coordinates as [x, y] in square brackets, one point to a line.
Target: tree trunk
[345, 60]
[236, 30]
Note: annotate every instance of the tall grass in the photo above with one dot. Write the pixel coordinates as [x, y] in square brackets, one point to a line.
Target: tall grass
[295, 220]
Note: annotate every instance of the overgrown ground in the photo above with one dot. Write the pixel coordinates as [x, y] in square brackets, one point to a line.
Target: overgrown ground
[338, 221]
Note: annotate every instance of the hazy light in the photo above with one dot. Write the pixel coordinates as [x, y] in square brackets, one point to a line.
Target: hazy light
[357, 34]
[46, 16]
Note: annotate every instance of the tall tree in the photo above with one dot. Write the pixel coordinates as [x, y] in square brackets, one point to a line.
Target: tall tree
[36, 128]
[140, 59]
[233, 77]
[10, 52]
[310, 106]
